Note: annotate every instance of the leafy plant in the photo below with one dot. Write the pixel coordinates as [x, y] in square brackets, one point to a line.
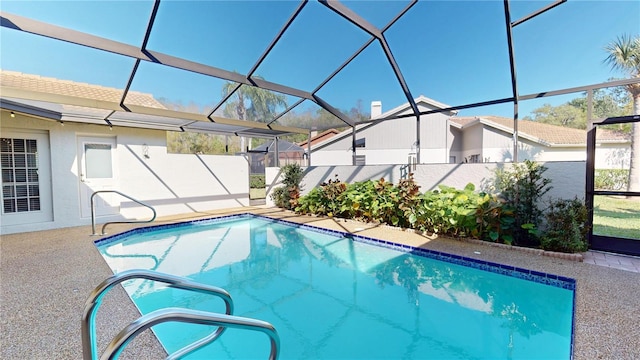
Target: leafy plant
[494, 220]
[375, 201]
[386, 203]
[448, 211]
[288, 197]
[566, 229]
[360, 201]
[444, 211]
[409, 195]
[292, 175]
[322, 200]
[522, 187]
[611, 179]
[280, 197]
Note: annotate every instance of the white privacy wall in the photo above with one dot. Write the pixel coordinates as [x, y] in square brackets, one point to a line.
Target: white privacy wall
[172, 183]
[178, 183]
[568, 178]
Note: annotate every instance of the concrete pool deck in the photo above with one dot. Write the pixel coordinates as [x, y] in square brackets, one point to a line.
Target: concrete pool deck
[46, 277]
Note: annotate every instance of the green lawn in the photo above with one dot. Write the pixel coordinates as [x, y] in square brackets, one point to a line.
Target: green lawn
[616, 216]
[257, 193]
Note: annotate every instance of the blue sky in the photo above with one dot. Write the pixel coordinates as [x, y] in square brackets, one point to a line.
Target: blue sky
[452, 51]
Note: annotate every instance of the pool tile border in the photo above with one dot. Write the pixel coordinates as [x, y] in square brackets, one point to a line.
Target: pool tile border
[521, 273]
[141, 230]
[517, 272]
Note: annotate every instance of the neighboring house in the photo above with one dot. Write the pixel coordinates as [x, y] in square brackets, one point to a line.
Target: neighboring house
[490, 139]
[449, 139]
[54, 156]
[318, 138]
[389, 142]
[265, 155]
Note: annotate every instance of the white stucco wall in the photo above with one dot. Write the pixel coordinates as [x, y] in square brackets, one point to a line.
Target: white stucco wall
[178, 183]
[473, 140]
[384, 157]
[172, 183]
[434, 156]
[497, 147]
[613, 156]
[608, 156]
[454, 144]
[568, 178]
[331, 157]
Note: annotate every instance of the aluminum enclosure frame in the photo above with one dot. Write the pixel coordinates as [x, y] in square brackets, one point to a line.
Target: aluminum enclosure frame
[141, 53]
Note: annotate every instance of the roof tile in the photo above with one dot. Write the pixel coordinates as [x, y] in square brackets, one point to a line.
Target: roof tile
[547, 133]
[50, 85]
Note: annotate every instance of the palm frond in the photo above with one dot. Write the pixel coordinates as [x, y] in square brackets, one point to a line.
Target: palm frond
[624, 55]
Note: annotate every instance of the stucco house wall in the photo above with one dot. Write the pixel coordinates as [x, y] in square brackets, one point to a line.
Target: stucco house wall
[454, 144]
[172, 183]
[496, 145]
[385, 143]
[390, 142]
[472, 143]
[335, 157]
[612, 156]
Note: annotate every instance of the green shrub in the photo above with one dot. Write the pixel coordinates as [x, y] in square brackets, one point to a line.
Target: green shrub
[460, 213]
[522, 187]
[257, 181]
[455, 212]
[382, 201]
[371, 201]
[280, 197]
[611, 179]
[287, 196]
[409, 199]
[359, 201]
[322, 200]
[385, 206]
[292, 175]
[494, 220]
[443, 211]
[566, 229]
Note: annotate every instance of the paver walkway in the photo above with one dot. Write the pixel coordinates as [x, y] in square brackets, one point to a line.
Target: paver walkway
[617, 261]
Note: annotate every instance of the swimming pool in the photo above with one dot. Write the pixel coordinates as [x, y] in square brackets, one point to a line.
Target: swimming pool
[333, 296]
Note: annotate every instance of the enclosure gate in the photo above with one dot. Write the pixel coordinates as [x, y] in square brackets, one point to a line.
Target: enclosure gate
[630, 246]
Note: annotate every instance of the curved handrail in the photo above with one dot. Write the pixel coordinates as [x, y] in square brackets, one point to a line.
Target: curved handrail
[93, 212]
[89, 345]
[189, 316]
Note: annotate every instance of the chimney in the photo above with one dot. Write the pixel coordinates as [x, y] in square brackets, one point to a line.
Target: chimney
[376, 109]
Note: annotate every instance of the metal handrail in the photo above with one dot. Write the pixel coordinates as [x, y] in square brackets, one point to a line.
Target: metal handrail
[189, 316]
[93, 212]
[88, 330]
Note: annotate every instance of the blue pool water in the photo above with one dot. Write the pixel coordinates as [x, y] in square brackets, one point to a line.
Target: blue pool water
[331, 297]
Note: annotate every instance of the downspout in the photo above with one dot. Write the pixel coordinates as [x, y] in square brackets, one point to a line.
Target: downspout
[447, 148]
[353, 145]
[309, 149]
[277, 151]
[418, 139]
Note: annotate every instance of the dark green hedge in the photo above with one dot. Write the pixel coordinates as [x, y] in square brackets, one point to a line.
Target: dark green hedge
[256, 181]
